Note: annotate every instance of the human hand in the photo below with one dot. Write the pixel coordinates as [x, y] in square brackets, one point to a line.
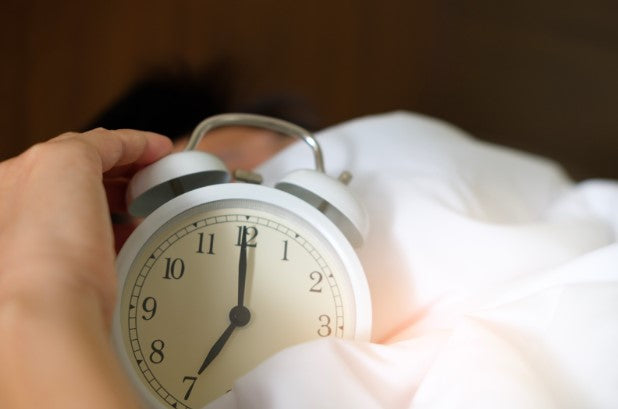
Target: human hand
[57, 274]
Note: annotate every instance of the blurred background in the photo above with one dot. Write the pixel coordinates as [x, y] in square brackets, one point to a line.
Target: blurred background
[537, 75]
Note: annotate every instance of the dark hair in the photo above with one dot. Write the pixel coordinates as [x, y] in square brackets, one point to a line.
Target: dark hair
[172, 104]
[169, 104]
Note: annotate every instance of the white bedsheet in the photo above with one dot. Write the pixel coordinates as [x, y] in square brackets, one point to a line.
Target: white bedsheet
[494, 280]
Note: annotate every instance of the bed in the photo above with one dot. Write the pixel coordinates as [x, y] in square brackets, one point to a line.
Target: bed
[494, 279]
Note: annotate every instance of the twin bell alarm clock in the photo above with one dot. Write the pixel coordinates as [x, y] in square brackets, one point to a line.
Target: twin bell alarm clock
[222, 274]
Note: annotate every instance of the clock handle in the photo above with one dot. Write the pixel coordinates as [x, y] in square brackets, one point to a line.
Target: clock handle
[330, 196]
[258, 121]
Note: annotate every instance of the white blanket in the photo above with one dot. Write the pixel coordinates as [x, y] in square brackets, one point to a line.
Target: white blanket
[494, 280]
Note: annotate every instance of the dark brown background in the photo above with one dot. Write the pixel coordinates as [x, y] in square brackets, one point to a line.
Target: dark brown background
[540, 75]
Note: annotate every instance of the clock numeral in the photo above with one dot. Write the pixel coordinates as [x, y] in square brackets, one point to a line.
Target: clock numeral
[174, 268]
[285, 251]
[156, 356]
[192, 379]
[150, 307]
[325, 329]
[211, 243]
[250, 233]
[317, 277]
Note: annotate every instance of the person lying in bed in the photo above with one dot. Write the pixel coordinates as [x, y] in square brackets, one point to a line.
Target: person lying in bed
[494, 278]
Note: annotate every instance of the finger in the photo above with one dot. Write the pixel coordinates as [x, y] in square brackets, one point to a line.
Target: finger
[156, 147]
[121, 147]
[124, 171]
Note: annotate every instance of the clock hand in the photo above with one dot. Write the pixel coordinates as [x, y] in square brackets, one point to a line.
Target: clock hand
[217, 347]
[239, 317]
[242, 268]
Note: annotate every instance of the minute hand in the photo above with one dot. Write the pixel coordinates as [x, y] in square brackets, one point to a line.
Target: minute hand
[242, 268]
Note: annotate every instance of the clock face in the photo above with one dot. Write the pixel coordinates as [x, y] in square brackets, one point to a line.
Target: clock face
[221, 287]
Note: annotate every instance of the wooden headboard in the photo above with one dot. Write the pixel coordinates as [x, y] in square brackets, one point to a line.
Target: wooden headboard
[535, 75]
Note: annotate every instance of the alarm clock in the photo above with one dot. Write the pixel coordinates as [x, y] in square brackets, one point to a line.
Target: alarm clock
[224, 272]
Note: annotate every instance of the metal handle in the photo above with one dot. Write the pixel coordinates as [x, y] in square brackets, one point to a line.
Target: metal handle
[257, 121]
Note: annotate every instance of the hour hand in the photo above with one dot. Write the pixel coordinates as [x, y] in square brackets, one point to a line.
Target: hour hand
[239, 317]
[217, 347]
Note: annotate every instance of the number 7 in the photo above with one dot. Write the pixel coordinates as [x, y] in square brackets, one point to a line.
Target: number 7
[192, 379]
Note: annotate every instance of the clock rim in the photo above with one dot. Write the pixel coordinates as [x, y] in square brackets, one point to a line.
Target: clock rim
[361, 301]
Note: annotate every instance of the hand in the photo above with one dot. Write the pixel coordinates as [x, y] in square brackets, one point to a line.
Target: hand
[57, 275]
[239, 315]
[242, 268]
[217, 347]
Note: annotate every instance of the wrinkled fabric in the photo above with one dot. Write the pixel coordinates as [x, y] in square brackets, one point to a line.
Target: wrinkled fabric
[494, 279]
